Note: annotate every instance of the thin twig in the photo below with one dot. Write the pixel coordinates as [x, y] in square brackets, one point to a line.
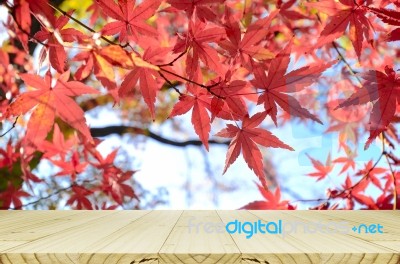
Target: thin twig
[364, 177]
[85, 26]
[391, 171]
[311, 200]
[169, 82]
[173, 61]
[52, 194]
[207, 87]
[13, 126]
[10, 8]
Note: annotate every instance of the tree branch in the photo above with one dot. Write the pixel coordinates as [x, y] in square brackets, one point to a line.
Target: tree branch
[392, 173]
[58, 191]
[84, 26]
[349, 190]
[207, 87]
[120, 130]
[13, 126]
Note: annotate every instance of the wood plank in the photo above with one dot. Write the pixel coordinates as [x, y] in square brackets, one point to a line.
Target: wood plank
[199, 237]
[74, 258]
[49, 224]
[356, 218]
[146, 234]
[10, 220]
[268, 248]
[7, 245]
[140, 240]
[29, 258]
[73, 239]
[65, 244]
[334, 246]
[392, 244]
[178, 237]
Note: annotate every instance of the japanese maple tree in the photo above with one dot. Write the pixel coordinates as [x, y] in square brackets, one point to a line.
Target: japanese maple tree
[241, 70]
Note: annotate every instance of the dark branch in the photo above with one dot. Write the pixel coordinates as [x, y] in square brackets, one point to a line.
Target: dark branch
[13, 126]
[83, 25]
[120, 130]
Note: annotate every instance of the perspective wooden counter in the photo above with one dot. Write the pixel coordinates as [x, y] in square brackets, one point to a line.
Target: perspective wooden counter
[195, 237]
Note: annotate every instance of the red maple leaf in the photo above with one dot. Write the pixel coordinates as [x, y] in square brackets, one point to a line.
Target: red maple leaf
[244, 49]
[79, 196]
[114, 185]
[197, 39]
[12, 195]
[103, 164]
[322, 170]
[147, 77]
[383, 89]
[199, 7]
[8, 155]
[48, 102]
[372, 173]
[55, 38]
[23, 19]
[131, 19]
[199, 100]
[7, 77]
[227, 95]
[245, 140]
[11, 158]
[71, 167]
[289, 16]
[113, 177]
[58, 146]
[277, 85]
[390, 17]
[105, 206]
[97, 13]
[394, 35]
[385, 202]
[101, 60]
[42, 8]
[342, 14]
[272, 201]
[348, 162]
[354, 192]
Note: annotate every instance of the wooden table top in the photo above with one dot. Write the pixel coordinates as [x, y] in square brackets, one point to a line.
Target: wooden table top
[163, 236]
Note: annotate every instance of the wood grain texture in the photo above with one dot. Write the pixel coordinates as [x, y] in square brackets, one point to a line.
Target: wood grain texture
[199, 237]
[195, 237]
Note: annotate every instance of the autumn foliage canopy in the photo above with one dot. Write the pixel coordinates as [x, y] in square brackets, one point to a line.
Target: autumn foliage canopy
[236, 67]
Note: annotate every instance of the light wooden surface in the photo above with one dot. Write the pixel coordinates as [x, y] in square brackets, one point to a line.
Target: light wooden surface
[192, 237]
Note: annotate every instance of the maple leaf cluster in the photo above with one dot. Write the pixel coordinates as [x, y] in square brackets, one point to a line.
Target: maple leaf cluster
[234, 67]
